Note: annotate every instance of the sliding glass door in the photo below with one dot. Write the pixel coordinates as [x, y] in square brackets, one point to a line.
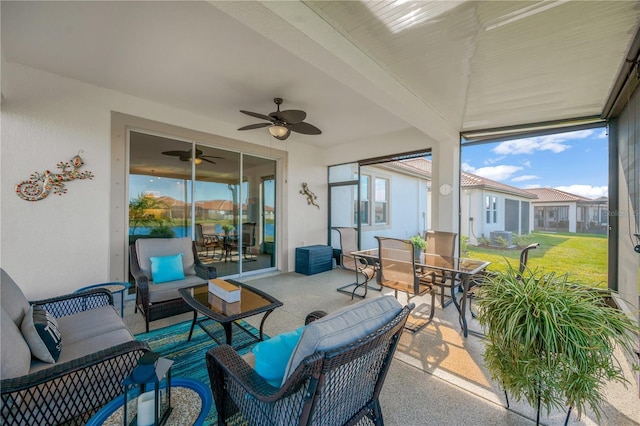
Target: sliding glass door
[223, 200]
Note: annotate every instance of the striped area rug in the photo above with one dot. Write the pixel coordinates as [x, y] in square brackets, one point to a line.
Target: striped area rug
[189, 357]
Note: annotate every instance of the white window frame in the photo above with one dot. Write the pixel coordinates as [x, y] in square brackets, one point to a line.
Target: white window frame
[366, 189]
[385, 200]
[490, 209]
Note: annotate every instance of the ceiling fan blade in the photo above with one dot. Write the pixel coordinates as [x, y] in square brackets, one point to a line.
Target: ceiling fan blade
[176, 153]
[211, 156]
[305, 129]
[257, 115]
[290, 116]
[208, 161]
[255, 126]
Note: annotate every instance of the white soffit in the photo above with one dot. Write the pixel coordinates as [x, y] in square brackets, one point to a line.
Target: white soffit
[194, 57]
[489, 64]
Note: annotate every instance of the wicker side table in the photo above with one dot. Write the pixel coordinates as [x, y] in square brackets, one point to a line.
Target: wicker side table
[115, 287]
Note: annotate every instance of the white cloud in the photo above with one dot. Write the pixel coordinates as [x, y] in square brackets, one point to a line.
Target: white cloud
[532, 186]
[527, 163]
[524, 177]
[468, 168]
[493, 160]
[555, 143]
[587, 191]
[498, 172]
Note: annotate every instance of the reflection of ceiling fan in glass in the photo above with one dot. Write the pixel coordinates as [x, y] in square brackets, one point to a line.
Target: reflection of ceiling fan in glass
[186, 156]
[282, 123]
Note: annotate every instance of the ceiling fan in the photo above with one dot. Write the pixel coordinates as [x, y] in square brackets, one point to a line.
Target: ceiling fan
[186, 156]
[282, 123]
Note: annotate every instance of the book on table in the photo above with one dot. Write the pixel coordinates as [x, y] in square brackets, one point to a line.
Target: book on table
[224, 290]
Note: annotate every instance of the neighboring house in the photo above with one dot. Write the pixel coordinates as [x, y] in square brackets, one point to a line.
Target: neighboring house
[393, 203]
[215, 209]
[560, 211]
[486, 206]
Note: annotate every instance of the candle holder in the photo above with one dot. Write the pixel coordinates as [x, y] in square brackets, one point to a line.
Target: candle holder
[150, 383]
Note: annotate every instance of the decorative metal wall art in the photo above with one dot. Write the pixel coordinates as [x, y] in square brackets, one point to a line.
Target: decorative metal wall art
[311, 197]
[40, 185]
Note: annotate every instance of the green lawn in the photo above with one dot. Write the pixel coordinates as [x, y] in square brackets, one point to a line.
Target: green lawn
[584, 257]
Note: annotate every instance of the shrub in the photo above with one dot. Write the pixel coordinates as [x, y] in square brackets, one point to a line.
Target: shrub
[522, 240]
[502, 242]
[162, 231]
[483, 241]
[464, 244]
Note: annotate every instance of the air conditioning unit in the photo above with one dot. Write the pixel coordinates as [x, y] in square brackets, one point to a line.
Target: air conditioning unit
[507, 235]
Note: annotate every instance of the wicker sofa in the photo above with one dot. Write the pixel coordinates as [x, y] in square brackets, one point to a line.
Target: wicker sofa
[157, 301]
[97, 353]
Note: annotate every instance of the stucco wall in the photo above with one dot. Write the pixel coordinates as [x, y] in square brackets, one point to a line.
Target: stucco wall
[61, 243]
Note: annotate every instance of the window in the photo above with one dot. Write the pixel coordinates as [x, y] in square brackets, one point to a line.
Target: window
[491, 208]
[381, 196]
[364, 201]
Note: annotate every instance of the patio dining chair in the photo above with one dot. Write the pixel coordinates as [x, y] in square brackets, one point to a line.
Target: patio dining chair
[397, 271]
[363, 269]
[247, 239]
[444, 244]
[206, 242]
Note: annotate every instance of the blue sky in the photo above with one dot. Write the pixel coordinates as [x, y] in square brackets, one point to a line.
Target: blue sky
[575, 162]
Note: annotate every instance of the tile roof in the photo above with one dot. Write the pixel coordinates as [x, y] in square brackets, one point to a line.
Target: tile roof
[467, 180]
[547, 195]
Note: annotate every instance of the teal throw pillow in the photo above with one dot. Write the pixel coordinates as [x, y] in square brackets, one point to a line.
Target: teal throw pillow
[40, 330]
[273, 355]
[166, 268]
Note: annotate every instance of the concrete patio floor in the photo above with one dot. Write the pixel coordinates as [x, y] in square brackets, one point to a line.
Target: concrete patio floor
[438, 376]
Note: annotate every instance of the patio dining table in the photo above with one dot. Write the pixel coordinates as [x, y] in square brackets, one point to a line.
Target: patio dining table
[461, 267]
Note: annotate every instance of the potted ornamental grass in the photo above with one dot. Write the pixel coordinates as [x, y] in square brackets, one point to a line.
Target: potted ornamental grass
[551, 342]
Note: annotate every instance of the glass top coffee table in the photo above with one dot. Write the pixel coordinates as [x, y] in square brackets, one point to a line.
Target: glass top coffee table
[252, 302]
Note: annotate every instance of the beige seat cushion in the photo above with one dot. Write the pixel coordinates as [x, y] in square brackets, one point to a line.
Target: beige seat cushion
[14, 351]
[86, 346]
[94, 322]
[169, 290]
[13, 300]
[342, 327]
[148, 247]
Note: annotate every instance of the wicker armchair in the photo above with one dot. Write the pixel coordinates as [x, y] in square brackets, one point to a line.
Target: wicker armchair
[72, 391]
[163, 301]
[335, 387]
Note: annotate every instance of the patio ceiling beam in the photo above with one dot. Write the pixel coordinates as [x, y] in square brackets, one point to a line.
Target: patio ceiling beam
[295, 27]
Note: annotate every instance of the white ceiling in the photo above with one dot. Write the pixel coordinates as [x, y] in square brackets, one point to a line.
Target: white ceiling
[357, 68]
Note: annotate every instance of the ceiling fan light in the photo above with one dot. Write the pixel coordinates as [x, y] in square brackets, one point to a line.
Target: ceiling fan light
[198, 160]
[278, 131]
